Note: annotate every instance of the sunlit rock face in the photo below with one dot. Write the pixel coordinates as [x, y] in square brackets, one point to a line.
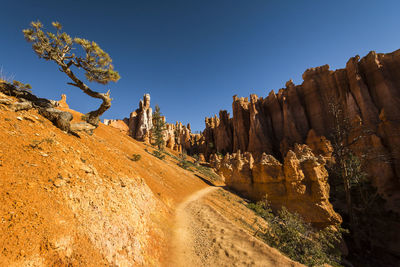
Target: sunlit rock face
[141, 120]
[119, 124]
[367, 90]
[300, 183]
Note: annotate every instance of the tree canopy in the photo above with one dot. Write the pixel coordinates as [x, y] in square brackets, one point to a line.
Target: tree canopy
[158, 128]
[96, 63]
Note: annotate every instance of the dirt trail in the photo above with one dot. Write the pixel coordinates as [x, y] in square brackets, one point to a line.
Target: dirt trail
[204, 237]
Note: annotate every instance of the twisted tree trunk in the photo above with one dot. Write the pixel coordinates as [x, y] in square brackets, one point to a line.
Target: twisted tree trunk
[93, 117]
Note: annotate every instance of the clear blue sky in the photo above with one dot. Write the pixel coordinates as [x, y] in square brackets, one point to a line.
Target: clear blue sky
[192, 56]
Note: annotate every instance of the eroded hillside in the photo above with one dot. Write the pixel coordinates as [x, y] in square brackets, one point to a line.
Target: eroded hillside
[82, 200]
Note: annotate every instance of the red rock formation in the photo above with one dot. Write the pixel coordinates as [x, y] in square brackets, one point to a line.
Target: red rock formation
[368, 91]
[140, 121]
[319, 145]
[259, 139]
[179, 137]
[63, 101]
[218, 133]
[169, 135]
[176, 136]
[241, 123]
[300, 183]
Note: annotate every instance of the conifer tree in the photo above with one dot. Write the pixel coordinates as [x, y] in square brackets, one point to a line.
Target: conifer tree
[96, 63]
[360, 195]
[158, 129]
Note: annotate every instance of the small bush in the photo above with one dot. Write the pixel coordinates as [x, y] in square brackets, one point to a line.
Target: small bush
[37, 143]
[207, 171]
[158, 154]
[196, 159]
[135, 157]
[183, 163]
[170, 155]
[219, 154]
[84, 117]
[22, 86]
[4, 77]
[297, 239]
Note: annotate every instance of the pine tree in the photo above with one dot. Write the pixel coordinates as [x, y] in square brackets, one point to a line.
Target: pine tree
[158, 129]
[94, 61]
[360, 195]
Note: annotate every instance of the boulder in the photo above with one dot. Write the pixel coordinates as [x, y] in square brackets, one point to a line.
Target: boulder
[82, 127]
[60, 119]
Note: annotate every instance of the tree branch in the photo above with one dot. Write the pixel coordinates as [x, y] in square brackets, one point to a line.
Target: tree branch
[93, 116]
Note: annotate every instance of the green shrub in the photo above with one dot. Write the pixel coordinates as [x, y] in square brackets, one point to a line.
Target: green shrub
[37, 143]
[158, 129]
[158, 154]
[170, 155]
[135, 157]
[297, 239]
[196, 158]
[207, 171]
[22, 86]
[183, 163]
[219, 154]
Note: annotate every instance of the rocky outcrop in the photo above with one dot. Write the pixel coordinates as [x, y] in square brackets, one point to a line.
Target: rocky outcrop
[62, 103]
[60, 119]
[180, 138]
[300, 183]
[169, 136]
[47, 108]
[219, 133]
[141, 120]
[367, 90]
[176, 136]
[122, 125]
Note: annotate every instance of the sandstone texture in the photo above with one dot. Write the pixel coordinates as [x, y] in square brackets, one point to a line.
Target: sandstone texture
[140, 123]
[141, 120]
[176, 136]
[367, 90]
[69, 201]
[300, 183]
[119, 124]
[47, 108]
[180, 138]
[63, 101]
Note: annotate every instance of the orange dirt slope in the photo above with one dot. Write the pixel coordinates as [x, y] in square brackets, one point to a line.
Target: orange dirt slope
[82, 200]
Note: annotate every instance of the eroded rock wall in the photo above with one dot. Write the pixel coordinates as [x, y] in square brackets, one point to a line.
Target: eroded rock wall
[180, 138]
[367, 90]
[300, 183]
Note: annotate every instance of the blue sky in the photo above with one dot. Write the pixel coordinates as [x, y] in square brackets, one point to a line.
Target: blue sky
[192, 56]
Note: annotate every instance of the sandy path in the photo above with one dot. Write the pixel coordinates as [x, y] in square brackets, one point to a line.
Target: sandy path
[203, 237]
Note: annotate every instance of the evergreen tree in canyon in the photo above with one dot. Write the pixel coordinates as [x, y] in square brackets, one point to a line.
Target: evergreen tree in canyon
[363, 204]
[157, 132]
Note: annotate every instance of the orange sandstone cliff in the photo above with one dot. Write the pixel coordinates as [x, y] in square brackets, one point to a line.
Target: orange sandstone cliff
[368, 91]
